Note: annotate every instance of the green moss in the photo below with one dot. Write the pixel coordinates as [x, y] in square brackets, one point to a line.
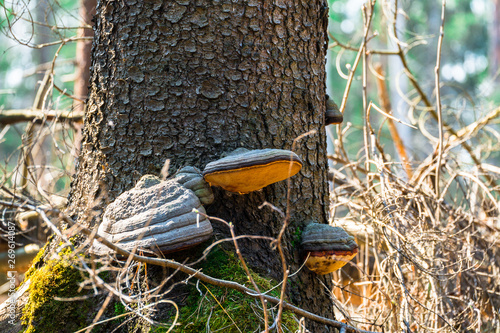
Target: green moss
[42, 313]
[206, 305]
[297, 236]
[223, 309]
[35, 263]
[119, 309]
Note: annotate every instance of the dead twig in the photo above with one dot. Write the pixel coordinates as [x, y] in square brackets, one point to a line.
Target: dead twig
[10, 117]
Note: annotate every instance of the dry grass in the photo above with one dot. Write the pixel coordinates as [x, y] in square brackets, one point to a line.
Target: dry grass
[424, 264]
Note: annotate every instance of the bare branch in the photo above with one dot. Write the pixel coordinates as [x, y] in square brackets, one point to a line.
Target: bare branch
[10, 117]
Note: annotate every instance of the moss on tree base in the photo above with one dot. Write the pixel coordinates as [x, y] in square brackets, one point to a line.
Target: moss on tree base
[226, 310]
[42, 313]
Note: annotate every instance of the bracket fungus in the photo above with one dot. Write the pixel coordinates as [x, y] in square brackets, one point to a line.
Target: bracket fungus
[154, 215]
[327, 248]
[192, 179]
[244, 171]
[332, 114]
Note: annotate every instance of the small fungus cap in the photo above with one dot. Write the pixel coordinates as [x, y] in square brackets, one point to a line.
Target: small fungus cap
[327, 248]
[324, 237]
[244, 171]
[333, 114]
[192, 179]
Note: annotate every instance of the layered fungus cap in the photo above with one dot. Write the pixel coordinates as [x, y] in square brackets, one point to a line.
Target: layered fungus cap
[192, 179]
[327, 248]
[154, 215]
[244, 171]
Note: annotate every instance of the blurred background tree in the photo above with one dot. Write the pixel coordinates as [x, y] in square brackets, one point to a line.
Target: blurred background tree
[470, 55]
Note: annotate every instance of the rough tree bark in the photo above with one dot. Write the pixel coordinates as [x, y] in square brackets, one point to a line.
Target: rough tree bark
[189, 80]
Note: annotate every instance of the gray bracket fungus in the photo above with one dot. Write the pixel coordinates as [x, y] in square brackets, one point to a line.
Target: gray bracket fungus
[192, 179]
[154, 215]
[332, 113]
[324, 237]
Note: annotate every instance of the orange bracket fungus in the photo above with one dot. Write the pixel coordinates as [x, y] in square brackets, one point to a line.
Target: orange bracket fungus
[244, 171]
[327, 248]
[332, 114]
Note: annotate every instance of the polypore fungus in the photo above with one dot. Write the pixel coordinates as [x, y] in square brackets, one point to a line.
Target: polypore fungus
[192, 179]
[332, 114]
[154, 215]
[327, 248]
[244, 171]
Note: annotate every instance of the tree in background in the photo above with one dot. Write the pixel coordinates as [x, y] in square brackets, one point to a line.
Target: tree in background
[83, 48]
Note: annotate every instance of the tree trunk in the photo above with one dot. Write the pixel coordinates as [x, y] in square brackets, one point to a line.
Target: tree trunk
[189, 81]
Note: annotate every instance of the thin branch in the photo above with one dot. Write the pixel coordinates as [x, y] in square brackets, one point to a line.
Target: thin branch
[427, 102]
[221, 283]
[473, 128]
[353, 68]
[256, 287]
[9, 117]
[62, 41]
[68, 95]
[438, 101]
[386, 104]
[353, 48]
[364, 94]
[282, 231]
